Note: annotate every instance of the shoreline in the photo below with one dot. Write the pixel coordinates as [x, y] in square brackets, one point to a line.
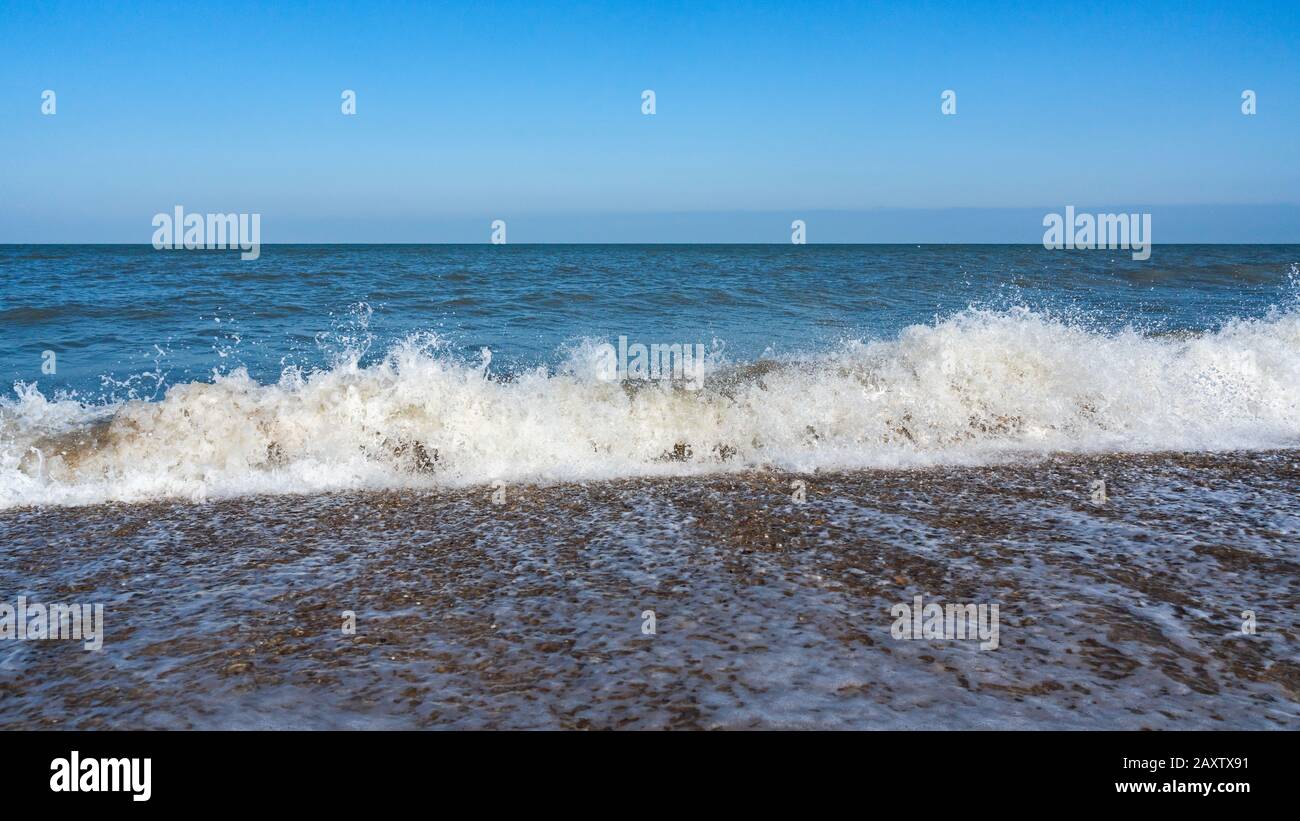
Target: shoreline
[769, 613]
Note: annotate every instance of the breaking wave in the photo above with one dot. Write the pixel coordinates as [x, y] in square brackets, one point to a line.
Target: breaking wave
[977, 387]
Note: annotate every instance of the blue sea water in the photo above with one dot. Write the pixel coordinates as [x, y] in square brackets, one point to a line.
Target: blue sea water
[135, 374]
[127, 321]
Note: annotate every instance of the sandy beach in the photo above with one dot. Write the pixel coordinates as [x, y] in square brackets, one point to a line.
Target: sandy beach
[768, 613]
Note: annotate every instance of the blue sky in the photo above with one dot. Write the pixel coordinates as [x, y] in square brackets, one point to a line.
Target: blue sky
[531, 112]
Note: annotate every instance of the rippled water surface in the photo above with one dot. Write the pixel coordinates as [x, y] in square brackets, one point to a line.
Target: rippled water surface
[231, 455]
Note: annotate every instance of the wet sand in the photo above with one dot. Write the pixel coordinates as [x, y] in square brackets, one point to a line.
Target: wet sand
[769, 613]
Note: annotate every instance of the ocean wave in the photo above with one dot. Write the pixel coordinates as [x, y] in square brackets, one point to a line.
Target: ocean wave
[976, 387]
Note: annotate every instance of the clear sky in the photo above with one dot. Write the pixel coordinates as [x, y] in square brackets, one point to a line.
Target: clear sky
[531, 112]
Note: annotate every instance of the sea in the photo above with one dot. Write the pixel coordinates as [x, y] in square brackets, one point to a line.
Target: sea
[437, 486]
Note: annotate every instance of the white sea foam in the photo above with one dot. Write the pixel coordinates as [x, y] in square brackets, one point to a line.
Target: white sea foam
[977, 387]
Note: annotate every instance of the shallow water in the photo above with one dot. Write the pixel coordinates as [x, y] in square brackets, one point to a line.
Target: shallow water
[769, 612]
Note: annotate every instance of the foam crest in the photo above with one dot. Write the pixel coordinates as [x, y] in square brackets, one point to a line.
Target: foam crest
[980, 386]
